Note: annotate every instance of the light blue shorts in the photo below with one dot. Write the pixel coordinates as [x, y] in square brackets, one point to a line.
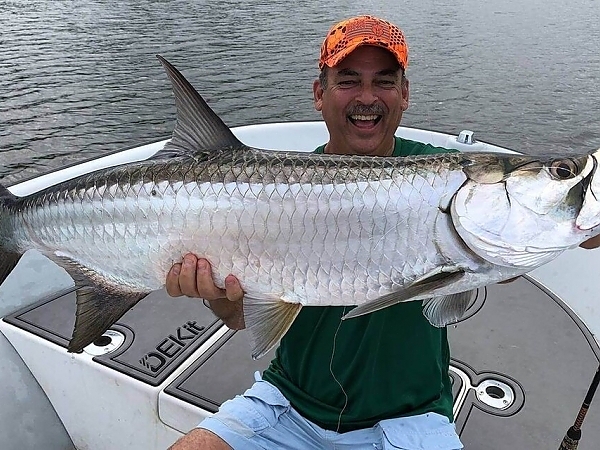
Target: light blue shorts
[262, 418]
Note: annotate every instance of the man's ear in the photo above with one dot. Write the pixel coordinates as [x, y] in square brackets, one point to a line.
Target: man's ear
[318, 95]
[405, 94]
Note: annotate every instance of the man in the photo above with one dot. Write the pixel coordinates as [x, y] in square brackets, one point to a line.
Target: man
[378, 381]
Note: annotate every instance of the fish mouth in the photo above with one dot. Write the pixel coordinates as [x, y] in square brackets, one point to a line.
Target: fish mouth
[365, 120]
[588, 218]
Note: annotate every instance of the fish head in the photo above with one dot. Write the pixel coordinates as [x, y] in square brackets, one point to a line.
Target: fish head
[522, 211]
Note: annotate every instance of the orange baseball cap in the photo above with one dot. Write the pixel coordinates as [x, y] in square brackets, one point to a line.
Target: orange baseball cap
[344, 37]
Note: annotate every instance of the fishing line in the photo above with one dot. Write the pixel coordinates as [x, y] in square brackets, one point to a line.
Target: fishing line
[337, 430]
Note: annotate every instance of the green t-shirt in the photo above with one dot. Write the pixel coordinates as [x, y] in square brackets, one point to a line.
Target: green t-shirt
[386, 364]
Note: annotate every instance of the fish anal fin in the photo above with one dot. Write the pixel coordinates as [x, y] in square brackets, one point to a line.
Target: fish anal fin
[100, 302]
[435, 279]
[8, 261]
[267, 321]
[448, 309]
[97, 309]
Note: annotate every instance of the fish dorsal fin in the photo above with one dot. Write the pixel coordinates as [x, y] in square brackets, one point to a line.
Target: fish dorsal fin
[437, 278]
[198, 128]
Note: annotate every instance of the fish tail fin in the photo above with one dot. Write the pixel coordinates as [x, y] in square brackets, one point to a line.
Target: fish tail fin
[9, 256]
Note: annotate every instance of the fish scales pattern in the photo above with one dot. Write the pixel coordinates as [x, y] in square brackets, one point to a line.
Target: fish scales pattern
[299, 226]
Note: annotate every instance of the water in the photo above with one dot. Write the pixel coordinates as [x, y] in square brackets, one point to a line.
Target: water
[79, 78]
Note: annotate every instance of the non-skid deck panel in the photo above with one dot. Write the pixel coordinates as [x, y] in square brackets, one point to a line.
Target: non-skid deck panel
[528, 335]
[51, 318]
[226, 370]
[521, 336]
[160, 331]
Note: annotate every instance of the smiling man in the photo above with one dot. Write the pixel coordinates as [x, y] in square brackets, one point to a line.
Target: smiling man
[379, 381]
[362, 91]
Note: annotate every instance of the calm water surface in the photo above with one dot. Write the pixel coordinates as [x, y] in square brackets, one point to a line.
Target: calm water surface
[80, 79]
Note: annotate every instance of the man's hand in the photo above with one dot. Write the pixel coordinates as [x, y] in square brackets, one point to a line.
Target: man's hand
[591, 243]
[193, 278]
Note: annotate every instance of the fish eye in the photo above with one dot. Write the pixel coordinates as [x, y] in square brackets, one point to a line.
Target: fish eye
[563, 169]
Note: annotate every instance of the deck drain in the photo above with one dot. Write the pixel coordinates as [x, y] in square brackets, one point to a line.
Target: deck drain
[495, 394]
[108, 342]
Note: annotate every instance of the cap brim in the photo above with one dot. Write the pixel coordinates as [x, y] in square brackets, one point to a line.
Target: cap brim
[338, 57]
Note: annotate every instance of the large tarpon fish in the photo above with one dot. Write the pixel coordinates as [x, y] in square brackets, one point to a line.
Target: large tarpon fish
[300, 229]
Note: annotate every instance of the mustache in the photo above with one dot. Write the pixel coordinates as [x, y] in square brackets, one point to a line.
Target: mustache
[366, 110]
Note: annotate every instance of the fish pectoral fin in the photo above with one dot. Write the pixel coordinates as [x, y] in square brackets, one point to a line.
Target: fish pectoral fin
[8, 261]
[377, 304]
[97, 309]
[437, 278]
[448, 309]
[268, 320]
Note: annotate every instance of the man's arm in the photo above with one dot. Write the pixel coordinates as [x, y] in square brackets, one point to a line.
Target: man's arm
[193, 278]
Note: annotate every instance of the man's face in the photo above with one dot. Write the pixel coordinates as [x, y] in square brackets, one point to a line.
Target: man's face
[362, 102]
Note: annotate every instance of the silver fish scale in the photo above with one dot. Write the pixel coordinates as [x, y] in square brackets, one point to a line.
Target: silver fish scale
[304, 228]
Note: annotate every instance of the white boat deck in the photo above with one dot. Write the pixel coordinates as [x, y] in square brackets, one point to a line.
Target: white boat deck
[523, 357]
